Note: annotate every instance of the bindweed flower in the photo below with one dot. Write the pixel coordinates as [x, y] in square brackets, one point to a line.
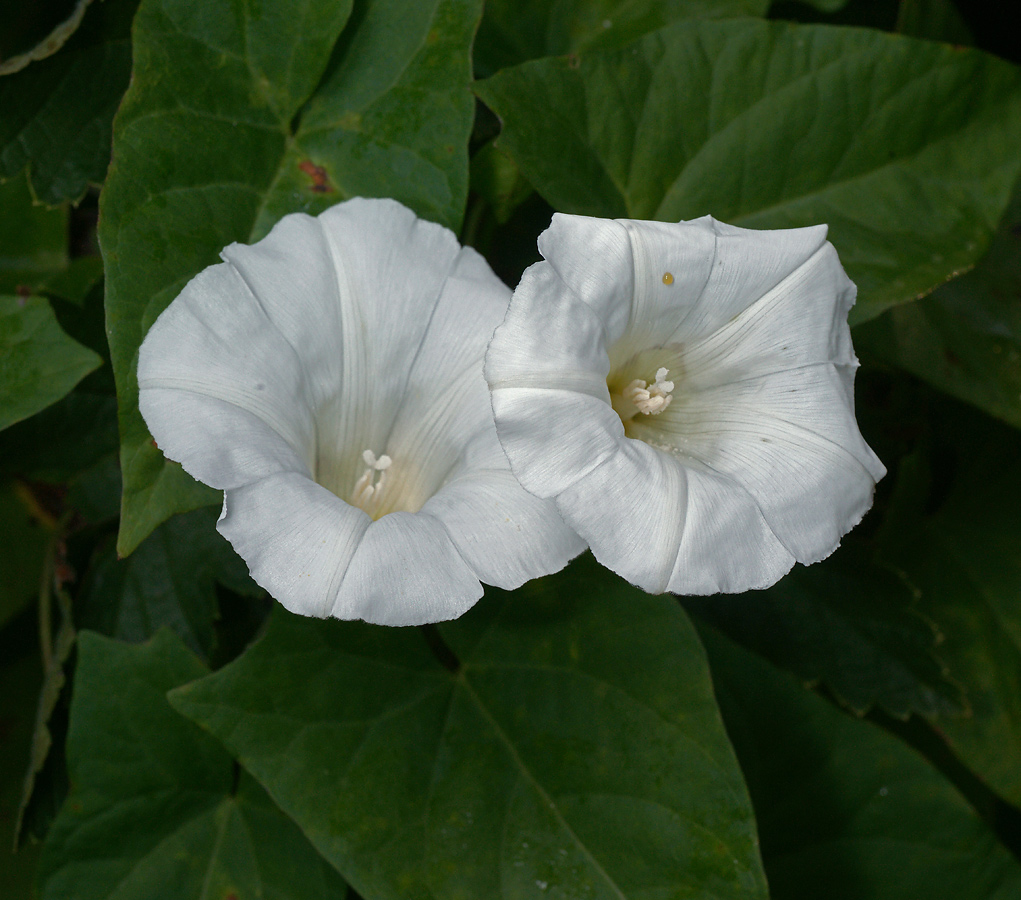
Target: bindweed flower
[329, 380]
[684, 393]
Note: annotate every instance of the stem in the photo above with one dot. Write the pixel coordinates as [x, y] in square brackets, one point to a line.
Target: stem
[46, 582]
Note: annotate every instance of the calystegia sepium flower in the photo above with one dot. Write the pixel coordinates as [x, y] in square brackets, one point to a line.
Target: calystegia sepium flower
[684, 394]
[329, 380]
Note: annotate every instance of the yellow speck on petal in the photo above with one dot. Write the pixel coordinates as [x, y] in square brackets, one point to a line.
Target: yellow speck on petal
[668, 278]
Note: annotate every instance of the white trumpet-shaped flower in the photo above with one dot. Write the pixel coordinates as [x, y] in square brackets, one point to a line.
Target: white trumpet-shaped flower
[329, 380]
[684, 393]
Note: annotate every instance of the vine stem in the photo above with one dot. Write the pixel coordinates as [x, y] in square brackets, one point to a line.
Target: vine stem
[46, 581]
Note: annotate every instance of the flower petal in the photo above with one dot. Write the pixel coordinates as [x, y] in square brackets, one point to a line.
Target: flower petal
[801, 321]
[446, 402]
[353, 291]
[550, 338]
[297, 538]
[505, 534]
[554, 437]
[546, 368]
[744, 266]
[664, 526]
[207, 394]
[406, 571]
[791, 440]
[593, 259]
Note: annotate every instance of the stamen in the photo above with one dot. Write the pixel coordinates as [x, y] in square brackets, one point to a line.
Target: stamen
[650, 400]
[368, 489]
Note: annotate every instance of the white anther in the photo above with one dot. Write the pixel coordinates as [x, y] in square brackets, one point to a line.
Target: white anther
[650, 400]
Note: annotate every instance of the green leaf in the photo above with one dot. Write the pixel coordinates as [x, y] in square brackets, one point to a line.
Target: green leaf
[33, 239]
[572, 748]
[845, 810]
[167, 582]
[56, 116]
[515, 31]
[848, 622]
[23, 541]
[224, 130]
[907, 149]
[958, 544]
[156, 811]
[39, 364]
[965, 337]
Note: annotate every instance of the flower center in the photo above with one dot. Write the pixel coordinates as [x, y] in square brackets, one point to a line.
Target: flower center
[369, 489]
[647, 399]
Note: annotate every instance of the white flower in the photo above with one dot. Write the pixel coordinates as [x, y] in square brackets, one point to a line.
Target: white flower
[684, 392]
[329, 380]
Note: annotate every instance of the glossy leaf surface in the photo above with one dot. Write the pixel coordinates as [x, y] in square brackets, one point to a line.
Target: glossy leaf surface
[575, 750]
[792, 126]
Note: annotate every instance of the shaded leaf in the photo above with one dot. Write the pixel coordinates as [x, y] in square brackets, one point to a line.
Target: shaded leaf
[227, 127]
[936, 20]
[169, 581]
[23, 541]
[156, 811]
[965, 337]
[848, 622]
[56, 116]
[547, 764]
[960, 545]
[33, 239]
[845, 810]
[46, 779]
[496, 179]
[64, 439]
[908, 149]
[515, 31]
[39, 364]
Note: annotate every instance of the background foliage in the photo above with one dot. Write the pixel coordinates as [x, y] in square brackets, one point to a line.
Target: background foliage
[166, 731]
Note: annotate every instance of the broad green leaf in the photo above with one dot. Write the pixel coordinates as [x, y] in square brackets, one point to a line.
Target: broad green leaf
[167, 582]
[33, 239]
[559, 741]
[845, 810]
[514, 31]
[56, 115]
[965, 337]
[908, 149]
[20, 675]
[39, 364]
[964, 556]
[236, 116]
[848, 622]
[33, 31]
[157, 811]
[23, 540]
